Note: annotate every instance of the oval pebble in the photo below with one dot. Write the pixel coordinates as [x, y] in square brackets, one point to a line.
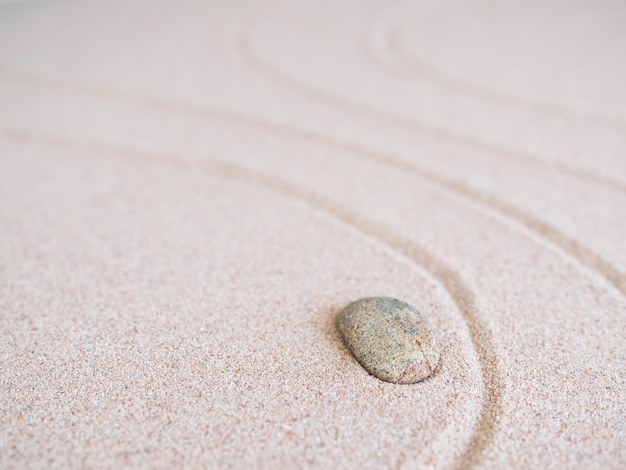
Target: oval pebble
[391, 339]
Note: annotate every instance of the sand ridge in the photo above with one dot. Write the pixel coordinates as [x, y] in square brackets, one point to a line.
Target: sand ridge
[192, 193]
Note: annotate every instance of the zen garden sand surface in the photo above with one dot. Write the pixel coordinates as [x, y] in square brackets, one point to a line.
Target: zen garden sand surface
[191, 192]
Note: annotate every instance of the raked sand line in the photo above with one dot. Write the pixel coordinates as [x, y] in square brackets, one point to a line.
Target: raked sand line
[552, 236]
[575, 249]
[414, 67]
[452, 282]
[246, 53]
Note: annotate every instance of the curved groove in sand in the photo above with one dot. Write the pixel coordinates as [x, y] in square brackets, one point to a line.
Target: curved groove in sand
[246, 53]
[492, 405]
[481, 336]
[552, 236]
[566, 244]
[419, 68]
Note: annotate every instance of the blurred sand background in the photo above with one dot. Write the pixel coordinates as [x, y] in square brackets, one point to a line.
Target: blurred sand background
[191, 191]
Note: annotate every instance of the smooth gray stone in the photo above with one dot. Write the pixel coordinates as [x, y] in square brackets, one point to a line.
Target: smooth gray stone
[390, 339]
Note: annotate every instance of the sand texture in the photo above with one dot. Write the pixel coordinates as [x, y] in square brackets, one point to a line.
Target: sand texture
[191, 192]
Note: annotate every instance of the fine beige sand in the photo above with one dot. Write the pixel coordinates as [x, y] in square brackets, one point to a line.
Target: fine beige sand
[191, 191]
